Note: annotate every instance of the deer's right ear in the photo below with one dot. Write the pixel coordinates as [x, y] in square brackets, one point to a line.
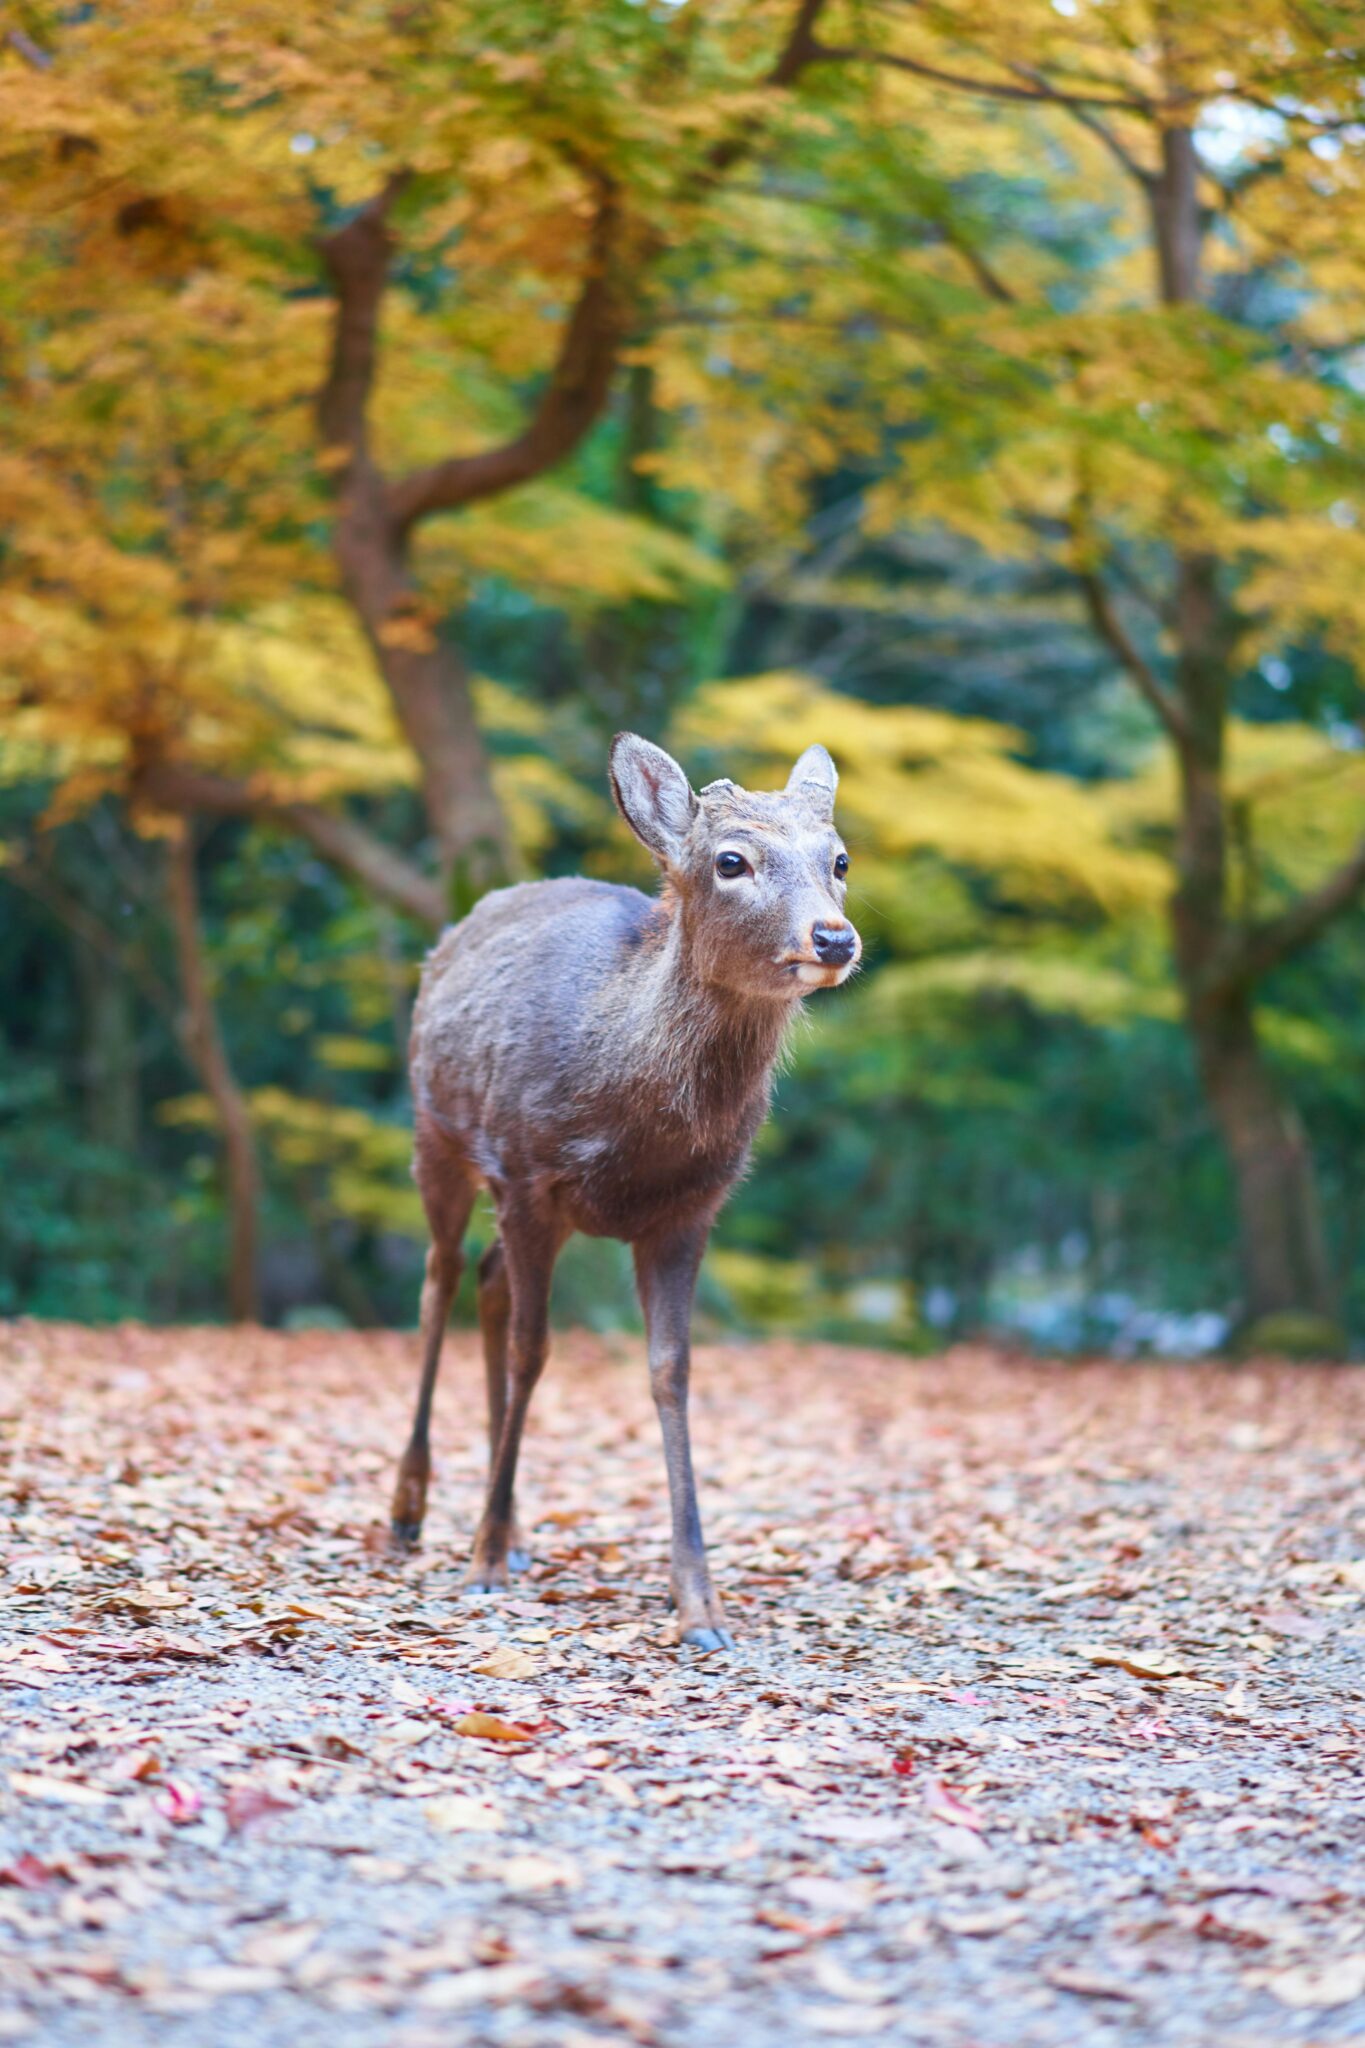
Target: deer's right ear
[652, 794]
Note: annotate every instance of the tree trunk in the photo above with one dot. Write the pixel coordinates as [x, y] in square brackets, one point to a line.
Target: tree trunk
[108, 1050]
[1174, 197]
[429, 686]
[1284, 1256]
[205, 1050]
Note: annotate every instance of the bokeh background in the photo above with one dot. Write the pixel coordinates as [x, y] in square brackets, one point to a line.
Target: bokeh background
[398, 400]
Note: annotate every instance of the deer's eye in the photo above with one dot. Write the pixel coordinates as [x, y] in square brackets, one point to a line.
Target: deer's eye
[840, 866]
[732, 864]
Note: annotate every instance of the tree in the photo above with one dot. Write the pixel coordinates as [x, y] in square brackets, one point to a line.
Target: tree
[1182, 443]
[204, 1047]
[344, 180]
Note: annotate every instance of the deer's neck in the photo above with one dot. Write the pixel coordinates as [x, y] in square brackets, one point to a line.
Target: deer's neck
[701, 1053]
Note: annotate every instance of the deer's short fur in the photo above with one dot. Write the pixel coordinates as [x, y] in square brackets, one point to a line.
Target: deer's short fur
[600, 1061]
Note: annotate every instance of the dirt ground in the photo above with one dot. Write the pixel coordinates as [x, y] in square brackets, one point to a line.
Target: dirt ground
[1045, 1725]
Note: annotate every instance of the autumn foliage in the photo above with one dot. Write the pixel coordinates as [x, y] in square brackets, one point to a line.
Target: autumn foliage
[397, 400]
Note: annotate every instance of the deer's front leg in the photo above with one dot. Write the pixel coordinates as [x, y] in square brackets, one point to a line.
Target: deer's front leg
[666, 1271]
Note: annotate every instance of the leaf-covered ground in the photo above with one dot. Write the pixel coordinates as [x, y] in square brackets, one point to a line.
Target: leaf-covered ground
[1045, 1726]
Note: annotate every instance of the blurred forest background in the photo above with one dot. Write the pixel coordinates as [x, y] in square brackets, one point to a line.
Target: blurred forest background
[400, 398]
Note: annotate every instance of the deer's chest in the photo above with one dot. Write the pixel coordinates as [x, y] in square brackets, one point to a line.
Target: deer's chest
[630, 1183]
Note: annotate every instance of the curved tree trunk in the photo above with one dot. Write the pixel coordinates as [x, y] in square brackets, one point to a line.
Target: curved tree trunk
[428, 684]
[204, 1047]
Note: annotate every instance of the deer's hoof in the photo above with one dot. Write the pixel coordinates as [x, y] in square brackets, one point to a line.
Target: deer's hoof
[709, 1638]
[486, 1577]
[405, 1535]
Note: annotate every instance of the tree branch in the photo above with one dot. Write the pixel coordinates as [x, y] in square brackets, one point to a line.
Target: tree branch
[1276, 939]
[572, 401]
[799, 50]
[1084, 113]
[987, 88]
[1116, 636]
[357, 259]
[338, 839]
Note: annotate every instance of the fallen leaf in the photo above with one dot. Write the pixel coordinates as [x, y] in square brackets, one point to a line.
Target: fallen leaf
[492, 1728]
[276, 1947]
[56, 1791]
[1141, 1665]
[830, 1974]
[508, 1662]
[535, 1873]
[845, 2020]
[1086, 1984]
[28, 1873]
[1318, 1987]
[246, 1804]
[495, 1986]
[227, 1980]
[178, 1801]
[946, 1805]
[860, 1828]
[453, 1813]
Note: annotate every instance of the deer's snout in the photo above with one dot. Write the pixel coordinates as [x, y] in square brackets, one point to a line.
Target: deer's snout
[833, 944]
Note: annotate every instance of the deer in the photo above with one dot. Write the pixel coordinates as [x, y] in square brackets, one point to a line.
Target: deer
[600, 1061]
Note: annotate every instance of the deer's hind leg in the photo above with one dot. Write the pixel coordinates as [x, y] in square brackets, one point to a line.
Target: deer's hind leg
[448, 1190]
[530, 1244]
[495, 1311]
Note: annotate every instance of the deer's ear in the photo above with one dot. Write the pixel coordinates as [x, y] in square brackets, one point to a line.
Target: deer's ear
[652, 794]
[814, 779]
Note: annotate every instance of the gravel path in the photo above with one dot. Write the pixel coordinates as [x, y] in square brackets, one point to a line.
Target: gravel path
[1044, 1727]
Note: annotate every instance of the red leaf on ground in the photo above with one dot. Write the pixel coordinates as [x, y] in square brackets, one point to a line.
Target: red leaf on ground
[28, 1872]
[178, 1801]
[247, 1804]
[945, 1804]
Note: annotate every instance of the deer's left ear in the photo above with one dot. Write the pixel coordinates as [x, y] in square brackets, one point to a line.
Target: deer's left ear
[814, 779]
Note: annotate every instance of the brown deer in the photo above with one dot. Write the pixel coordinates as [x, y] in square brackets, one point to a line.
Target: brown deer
[600, 1061]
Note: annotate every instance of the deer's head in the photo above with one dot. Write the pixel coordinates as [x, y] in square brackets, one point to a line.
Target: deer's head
[759, 875]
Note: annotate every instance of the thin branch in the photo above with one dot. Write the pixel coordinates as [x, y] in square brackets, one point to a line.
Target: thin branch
[989, 279]
[1276, 939]
[1101, 130]
[338, 839]
[32, 53]
[1116, 636]
[986, 88]
[799, 50]
[44, 888]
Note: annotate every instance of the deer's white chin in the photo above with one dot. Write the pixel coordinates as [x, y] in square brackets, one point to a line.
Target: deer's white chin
[811, 976]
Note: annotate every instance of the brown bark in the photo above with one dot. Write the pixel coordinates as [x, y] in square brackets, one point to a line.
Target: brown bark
[377, 515]
[206, 1052]
[338, 838]
[1173, 194]
[425, 676]
[1284, 1255]
[1219, 960]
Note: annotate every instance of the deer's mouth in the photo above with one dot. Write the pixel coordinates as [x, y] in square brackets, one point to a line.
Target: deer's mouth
[808, 972]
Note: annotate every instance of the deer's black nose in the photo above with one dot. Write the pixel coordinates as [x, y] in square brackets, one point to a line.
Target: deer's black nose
[834, 943]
